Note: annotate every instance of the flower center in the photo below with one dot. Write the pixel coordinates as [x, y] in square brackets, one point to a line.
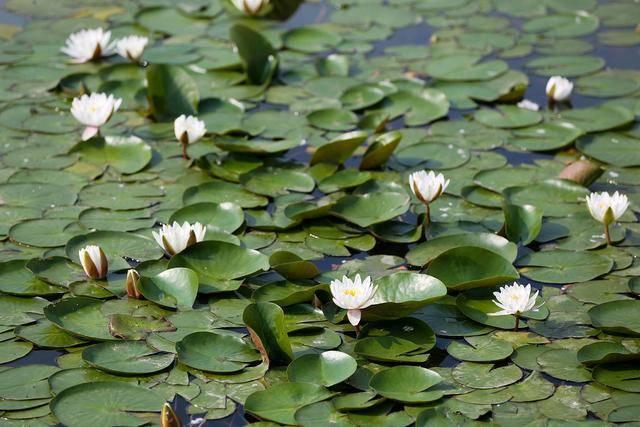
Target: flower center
[351, 292]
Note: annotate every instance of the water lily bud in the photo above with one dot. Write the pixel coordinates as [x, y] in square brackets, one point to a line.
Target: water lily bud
[188, 129]
[168, 417]
[175, 238]
[353, 295]
[607, 208]
[514, 299]
[94, 111]
[427, 187]
[250, 7]
[559, 89]
[87, 45]
[131, 284]
[131, 47]
[94, 261]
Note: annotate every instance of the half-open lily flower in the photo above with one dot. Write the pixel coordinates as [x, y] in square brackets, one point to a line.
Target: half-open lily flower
[87, 45]
[175, 238]
[94, 111]
[528, 105]
[131, 47]
[353, 295]
[427, 187]
[559, 89]
[607, 208]
[131, 284]
[94, 262]
[250, 7]
[188, 129]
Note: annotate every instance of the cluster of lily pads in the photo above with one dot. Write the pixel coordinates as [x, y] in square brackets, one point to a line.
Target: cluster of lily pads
[291, 214]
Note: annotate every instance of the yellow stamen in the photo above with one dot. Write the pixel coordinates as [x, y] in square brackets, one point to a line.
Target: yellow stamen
[351, 292]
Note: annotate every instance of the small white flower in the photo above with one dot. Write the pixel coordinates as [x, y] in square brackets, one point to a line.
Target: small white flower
[175, 238]
[87, 45]
[94, 111]
[131, 47]
[427, 186]
[559, 88]
[250, 7]
[607, 208]
[94, 261]
[353, 295]
[514, 299]
[528, 105]
[188, 129]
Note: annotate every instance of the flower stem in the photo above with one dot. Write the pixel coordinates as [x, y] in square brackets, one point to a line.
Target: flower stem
[184, 151]
[517, 322]
[427, 219]
[606, 234]
[357, 327]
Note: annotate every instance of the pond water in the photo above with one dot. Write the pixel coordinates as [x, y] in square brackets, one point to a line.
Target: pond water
[500, 163]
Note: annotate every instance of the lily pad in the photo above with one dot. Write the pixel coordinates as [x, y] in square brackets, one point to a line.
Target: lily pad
[219, 264]
[215, 353]
[126, 357]
[105, 404]
[327, 369]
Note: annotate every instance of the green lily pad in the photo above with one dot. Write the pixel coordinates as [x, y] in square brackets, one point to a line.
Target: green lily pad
[171, 92]
[480, 349]
[327, 369]
[468, 267]
[401, 293]
[557, 266]
[16, 279]
[266, 320]
[215, 353]
[616, 149]
[407, 384]
[226, 216]
[372, 208]
[621, 376]
[175, 288]
[115, 245]
[616, 317]
[333, 119]
[80, 316]
[280, 402]
[219, 264]
[507, 117]
[485, 376]
[126, 357]
[127, 155]
[423, 253]
[105, 404]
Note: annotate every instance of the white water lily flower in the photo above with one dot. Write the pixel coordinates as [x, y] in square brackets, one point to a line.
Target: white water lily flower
[250, 7]
[514, 299]
[175, 238]
[87, 45]
[94, 262]
[607, 208]
[528, 105]
[353, 295]
[558, 88]
[94, 111]
[131, 47]
[427, 186]
[188, 129]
